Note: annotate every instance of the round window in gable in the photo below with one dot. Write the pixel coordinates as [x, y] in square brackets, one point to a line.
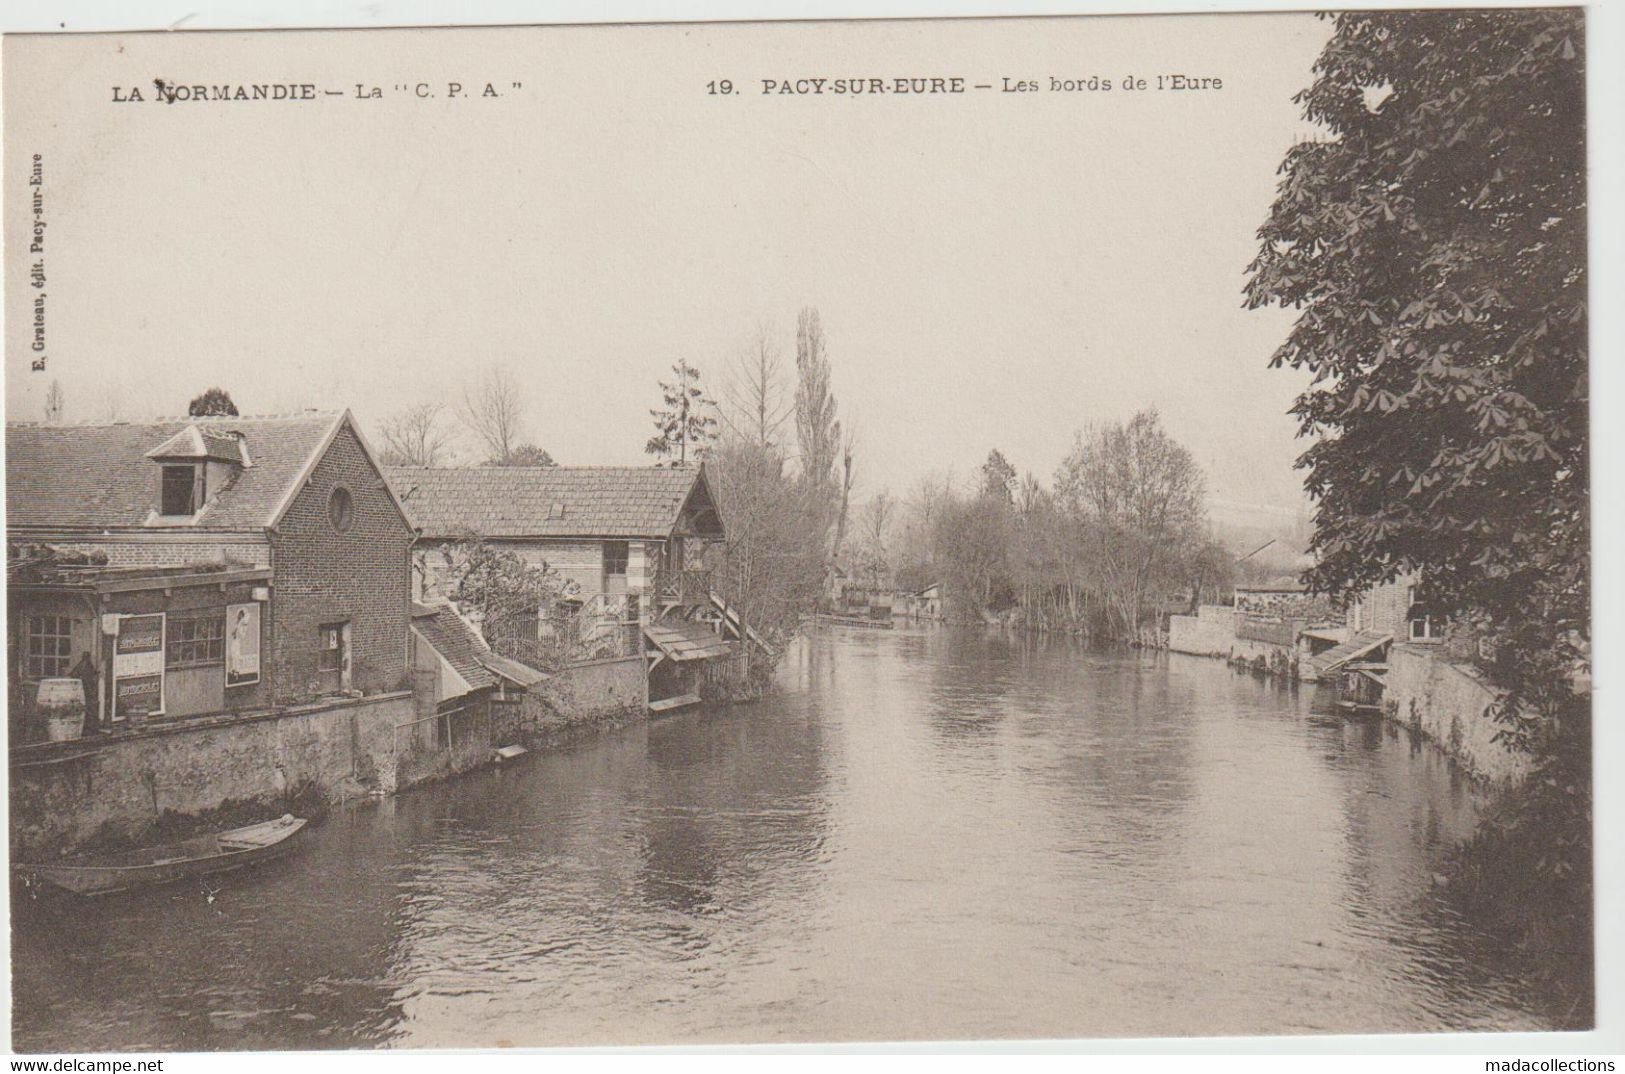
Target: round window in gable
[341, 509]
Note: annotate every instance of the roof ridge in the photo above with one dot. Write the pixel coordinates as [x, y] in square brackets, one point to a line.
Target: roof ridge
[573, 466]
[174, 419]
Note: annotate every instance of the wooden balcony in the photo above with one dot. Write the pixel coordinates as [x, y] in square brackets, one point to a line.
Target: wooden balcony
[674, 589]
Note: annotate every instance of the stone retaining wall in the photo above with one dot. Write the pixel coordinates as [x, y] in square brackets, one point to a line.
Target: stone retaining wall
[121, 787]
[1212, 632]
[590, 695]
[1449, 704]
[129, 786]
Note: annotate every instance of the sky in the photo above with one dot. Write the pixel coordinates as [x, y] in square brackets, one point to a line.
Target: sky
[992, 269]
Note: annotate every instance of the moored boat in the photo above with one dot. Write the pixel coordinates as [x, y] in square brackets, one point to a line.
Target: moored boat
[103, 874]
[854, 621]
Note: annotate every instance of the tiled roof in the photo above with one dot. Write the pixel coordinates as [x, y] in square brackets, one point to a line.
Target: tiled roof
[455, 640]
[544, 501]
[201, 442]
[99, 476]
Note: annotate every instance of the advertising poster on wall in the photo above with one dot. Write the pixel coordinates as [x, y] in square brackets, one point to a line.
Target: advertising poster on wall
[138, 666]
[242, 644]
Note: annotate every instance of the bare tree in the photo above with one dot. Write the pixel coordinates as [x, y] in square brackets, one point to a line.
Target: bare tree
[754, 404]
[56, 401]
[847, 446]
[494, 411]
[415, 436]
[917, 566]
[876, 521]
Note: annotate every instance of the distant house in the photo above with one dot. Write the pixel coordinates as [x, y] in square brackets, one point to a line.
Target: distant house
[927, 603]
[204, 565]
[630, 539]
[861, 593]
[1377, 620]
[1395, 609]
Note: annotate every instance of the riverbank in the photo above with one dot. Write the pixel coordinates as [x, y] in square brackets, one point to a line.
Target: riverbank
[1449, 704]
[145, 782]
[1139, 844]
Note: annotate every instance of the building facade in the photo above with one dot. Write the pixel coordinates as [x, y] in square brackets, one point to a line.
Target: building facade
[628, 544]
[202, 566]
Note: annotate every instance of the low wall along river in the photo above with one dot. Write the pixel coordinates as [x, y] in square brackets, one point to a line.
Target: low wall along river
[120, 788]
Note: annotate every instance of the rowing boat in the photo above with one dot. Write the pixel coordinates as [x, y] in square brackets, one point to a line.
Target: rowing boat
[103, 874]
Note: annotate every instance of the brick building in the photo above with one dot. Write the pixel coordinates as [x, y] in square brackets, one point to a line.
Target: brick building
[204, 565]
[1394, 609]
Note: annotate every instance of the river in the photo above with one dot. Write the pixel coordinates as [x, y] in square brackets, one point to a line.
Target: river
[931, 833]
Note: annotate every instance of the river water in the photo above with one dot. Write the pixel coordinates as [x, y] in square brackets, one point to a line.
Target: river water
[931, 833]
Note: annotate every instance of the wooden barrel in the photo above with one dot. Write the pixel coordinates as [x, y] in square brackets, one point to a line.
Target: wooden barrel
[62, 703]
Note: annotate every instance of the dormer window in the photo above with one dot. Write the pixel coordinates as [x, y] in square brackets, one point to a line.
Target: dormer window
[192, 463]
[182, 492]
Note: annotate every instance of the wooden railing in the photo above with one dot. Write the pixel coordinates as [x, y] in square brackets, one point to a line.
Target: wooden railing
[681, 587]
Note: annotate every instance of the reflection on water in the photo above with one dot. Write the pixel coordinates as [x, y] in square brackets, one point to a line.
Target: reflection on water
[930, 834]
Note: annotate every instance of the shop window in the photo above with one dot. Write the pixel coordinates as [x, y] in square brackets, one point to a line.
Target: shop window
[50, 643]
[196, 642]
[616, 555]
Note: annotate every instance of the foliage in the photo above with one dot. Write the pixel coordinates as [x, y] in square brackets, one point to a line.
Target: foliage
[1435, 241]
[999, 477]
[1210, 572]
[212, 403]
[1527, 873]
[1141, 500]
[526, 454]
[1125, 523]
[685, 420]
[505, 596]
[1436, 245]
[821, 440]
[818, 432]
[973, 541]
[781, 515]
[772, 568]
[917, 565]
[415, 436]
